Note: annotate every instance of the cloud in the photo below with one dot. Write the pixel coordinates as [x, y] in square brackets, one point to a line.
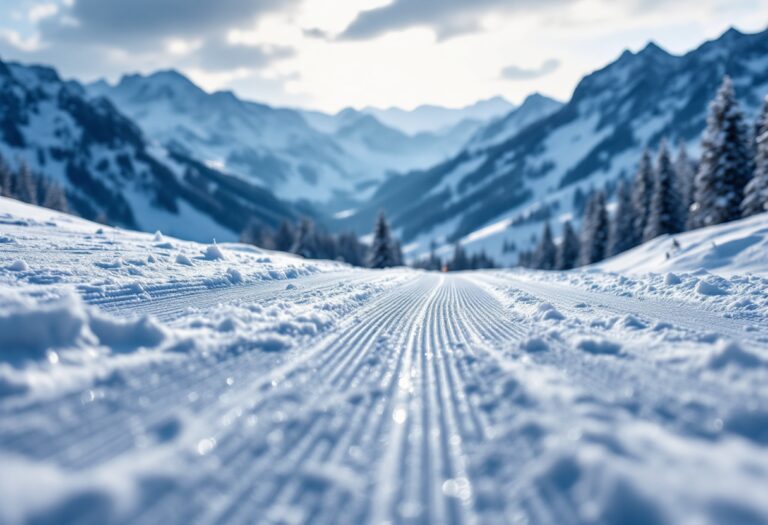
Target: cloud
[520, 73]
[447, 18]
[219, 55]
[122, 22]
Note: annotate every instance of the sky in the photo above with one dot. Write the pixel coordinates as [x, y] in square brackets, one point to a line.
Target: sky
[331, 54]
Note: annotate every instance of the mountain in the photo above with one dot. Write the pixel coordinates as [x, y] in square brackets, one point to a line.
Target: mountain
[111, 172]
[274, 147]
[485, 195]
[436, 118]
[332, 160]
[534, 107]
[387, 149]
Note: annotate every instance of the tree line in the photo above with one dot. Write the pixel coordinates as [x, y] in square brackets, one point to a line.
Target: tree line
[666, 196]
[23, 185]
[312, 241]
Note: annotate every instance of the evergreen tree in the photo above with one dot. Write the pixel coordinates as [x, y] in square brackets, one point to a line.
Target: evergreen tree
[642, 189]
[26, 187]
[594, 231]
[724, 170]
[284, 238]
[685, 173]
[351, 250]
[545, 253]
[305, 242]
[54, 197]
[756, 192]
[460, 260]
[622, 235]
[568, 250]
[256, 233]
[382, 253]
[6, 179]
[434, 262]
[665, 213]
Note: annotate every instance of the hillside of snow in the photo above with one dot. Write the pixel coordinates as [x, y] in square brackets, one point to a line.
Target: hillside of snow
[738, 247]
[145, 379]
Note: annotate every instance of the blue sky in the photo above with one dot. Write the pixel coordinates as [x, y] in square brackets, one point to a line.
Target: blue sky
[328, 54]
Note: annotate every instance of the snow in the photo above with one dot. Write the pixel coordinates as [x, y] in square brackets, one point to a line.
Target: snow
[257, 385]
[735, 247]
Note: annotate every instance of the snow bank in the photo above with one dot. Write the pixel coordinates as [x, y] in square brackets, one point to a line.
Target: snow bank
[737, 247]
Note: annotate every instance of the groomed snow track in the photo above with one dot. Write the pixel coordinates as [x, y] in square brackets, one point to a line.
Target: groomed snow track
[437, 401]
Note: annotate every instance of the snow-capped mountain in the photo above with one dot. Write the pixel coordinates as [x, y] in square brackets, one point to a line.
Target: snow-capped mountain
[274, 147]
[430, 118]
[534, 107]
[388, 149]
[110, 172]
[484, 194]
[332, 160]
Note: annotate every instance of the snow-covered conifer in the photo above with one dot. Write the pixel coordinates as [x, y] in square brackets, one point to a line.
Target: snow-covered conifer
[756, 192]
[622, 234]
[382, 253]
[642, 189]
[567, 255]
[546, 251]
[665, 214]
[724, 170]
[594, 231]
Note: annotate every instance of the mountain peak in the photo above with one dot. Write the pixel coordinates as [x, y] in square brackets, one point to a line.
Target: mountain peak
[653, 49]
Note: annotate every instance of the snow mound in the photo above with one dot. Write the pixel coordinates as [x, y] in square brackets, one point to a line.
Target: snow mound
[213, 253]
[31, 330]
[731, 354]
[737, 247]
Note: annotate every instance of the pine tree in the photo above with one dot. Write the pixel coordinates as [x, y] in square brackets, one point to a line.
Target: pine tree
[460, 260]
[434, 262]
[382, 253]
[54, 197]
[284, 238]
[665, 213]
[305, 242]
[685, 174]
[545, 253]
[568, 250]
[26, 187]
[350, 249]
[622, 235]
[725, 163]
[756, 192]
[6, 179]
[642, 188]
[594, 231]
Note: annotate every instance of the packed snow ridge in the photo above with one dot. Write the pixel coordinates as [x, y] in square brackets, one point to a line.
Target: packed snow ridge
[144, 379]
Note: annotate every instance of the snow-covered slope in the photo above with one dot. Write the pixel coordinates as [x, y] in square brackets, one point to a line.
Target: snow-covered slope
[534, 107]
[429, 118]
[145, 379]
[111, 172]
[482, 194]
[737, 247]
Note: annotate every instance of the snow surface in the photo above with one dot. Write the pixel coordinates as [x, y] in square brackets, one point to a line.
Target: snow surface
[245, 386]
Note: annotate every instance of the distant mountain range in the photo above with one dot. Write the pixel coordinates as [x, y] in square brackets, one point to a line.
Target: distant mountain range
[111, 172]
[429, 118]
[332, 160]
[156, 151]
[509, 170]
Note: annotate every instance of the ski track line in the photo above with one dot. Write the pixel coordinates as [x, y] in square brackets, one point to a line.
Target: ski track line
[171, 384]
